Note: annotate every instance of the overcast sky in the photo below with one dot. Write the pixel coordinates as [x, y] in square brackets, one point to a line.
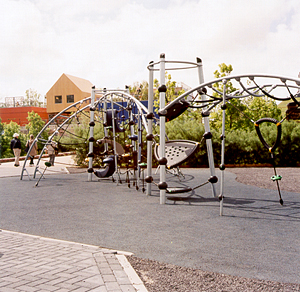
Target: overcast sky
[111, 42]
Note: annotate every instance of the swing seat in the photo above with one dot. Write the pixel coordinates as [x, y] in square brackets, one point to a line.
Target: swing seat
[178, 190]
[177, 151]
[109, 169]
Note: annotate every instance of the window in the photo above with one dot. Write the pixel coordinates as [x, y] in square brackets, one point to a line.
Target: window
[70, 98]
[58, 99]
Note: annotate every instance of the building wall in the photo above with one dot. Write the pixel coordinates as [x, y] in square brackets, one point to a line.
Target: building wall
[20, 114]
[64, 86]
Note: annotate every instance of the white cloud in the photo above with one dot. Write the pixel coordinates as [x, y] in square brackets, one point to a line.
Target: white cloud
[111, 42]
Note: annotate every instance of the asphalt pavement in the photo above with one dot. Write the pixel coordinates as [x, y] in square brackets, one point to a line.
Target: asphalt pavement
[39, 263]
[256, 237]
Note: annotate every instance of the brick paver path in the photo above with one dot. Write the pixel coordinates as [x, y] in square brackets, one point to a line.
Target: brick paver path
[32, 263]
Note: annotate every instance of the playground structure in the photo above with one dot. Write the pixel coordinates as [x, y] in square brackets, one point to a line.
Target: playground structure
[112, 103]
[119, 117]
[62, 121]
[174, 111]
[277, 87]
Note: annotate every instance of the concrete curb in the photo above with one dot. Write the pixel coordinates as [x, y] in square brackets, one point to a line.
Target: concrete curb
[131, 273]
[124, 253]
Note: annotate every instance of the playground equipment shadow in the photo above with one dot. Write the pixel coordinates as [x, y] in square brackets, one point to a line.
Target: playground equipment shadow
[256, 237]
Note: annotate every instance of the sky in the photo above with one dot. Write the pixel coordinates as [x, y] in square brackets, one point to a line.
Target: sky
[110, 43]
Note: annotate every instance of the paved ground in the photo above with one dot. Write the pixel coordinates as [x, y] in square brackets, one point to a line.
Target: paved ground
[35, 263]
[32, 263]
[256, 237]
[8, 169]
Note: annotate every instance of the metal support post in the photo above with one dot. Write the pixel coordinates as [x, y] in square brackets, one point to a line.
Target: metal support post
[113, 117]
[150, 123]
[209, 147]
[222, 166]
[162, 126]
[91, 143]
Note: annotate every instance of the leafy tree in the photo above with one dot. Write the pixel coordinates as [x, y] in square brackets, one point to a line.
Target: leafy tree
[233, 111]
[9, 130]
[258, 107]
[225, 70]
[289, 148]
[171, 92]
[1, 126]
[1, 137]
[35, 123]
[240, 111]
[139, 90]
[32, 98]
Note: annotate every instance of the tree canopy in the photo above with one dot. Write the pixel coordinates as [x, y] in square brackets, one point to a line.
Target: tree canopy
[171, 85]
[9, 130]
[35, 123]
[32, 98]
[139, 90]
[240, 111]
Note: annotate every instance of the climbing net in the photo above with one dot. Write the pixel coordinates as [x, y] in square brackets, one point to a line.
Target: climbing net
[123, 120]
[63, 128]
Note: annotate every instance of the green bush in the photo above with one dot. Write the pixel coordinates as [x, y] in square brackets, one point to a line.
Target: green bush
[241, 146]
[288, 150]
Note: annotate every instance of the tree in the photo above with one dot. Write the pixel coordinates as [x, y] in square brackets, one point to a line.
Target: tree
[258, 107]
[171, 92]
[139, 90]
[240, 111]
[1, 137]
[225, 70]
[9, 130]
[35, 125]
[32, 98]
[234, 117]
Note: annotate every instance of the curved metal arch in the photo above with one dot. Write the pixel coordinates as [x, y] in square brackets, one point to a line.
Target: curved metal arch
[192, 65]
[112, 97]
[141, 108]
[38, 137]
[239, 94]
[237, 78]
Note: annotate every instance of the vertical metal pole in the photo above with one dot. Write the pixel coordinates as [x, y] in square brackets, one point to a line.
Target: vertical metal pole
[150, 123]
[113, 117]
[139, 147]
[133, 142]
[222, 166]
[131, 118]
[91, 143]
[105, 120]
[207, 129]
[162, 127]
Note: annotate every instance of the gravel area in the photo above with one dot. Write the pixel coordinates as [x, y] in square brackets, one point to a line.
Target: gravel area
[161, 277]
[260, 177]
